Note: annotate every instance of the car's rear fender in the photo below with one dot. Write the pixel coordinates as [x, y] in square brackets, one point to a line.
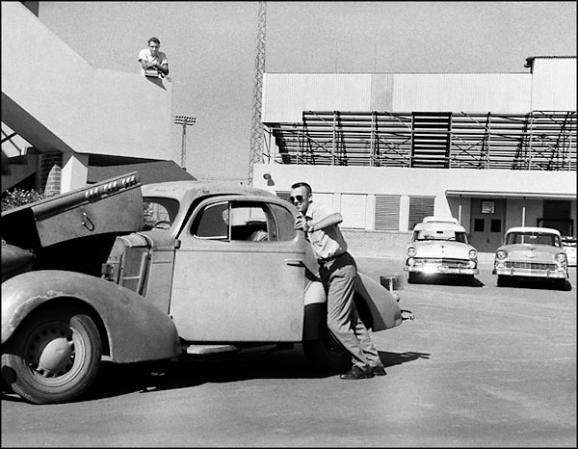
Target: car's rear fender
[135, 330]
[377, 306]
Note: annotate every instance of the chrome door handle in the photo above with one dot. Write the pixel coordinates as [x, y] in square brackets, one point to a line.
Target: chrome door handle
[295, 262]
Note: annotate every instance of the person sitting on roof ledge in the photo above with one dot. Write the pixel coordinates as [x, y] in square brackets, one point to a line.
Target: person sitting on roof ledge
[153, 62]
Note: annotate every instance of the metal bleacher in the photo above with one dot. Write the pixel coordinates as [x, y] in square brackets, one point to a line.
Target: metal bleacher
[539, 140]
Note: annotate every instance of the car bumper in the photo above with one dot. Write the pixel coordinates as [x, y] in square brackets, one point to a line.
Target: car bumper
[525, 272]
[440, 269]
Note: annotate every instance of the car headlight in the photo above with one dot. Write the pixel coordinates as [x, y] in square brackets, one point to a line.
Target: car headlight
[411, 251]
[411, 262]
[561, 258]
[501, 254]
[472, 264]
[473, 254]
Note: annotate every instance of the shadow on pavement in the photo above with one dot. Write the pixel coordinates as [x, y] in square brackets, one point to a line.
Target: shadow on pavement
[448, 279]
[117, 380]
[395, 358]
[538, 283]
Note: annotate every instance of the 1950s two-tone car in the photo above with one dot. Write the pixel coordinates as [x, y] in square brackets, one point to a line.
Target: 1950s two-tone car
[439, 245]
[140, 273]
[532, 253]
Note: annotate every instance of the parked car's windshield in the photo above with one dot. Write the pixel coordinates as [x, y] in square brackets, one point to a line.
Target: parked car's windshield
[534, 238]
[441, 234]
[159, 212]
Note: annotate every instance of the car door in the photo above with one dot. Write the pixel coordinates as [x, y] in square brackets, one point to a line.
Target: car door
[227, 287]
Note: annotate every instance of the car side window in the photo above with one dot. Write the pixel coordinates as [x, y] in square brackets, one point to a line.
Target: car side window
[283, 226]
[248, 221]
[240, 220]
[212, 222]
[159, 212]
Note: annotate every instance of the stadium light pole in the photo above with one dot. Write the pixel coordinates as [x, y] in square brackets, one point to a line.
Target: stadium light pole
[185, 120]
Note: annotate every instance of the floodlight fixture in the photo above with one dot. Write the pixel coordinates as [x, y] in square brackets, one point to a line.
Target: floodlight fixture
[185, 120]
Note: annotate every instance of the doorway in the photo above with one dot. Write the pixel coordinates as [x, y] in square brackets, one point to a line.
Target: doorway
[487, 223]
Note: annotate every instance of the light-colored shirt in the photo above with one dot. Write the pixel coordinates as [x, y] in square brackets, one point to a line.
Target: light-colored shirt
[145, 54]
[326, 242]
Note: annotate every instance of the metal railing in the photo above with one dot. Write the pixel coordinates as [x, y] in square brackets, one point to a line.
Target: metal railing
[539, 140]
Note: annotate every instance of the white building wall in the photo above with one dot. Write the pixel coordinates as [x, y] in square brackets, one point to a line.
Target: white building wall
[507, 93]
[287, 95]
[554, 84]
[354, 190]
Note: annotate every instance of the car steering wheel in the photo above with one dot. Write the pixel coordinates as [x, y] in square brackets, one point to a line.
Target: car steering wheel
[162, 224]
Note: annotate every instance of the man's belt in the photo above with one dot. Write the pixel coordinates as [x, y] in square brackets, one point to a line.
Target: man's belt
[323, 260]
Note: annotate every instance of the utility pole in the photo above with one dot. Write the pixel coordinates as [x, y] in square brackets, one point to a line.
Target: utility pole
[256, 144]
[185, 120]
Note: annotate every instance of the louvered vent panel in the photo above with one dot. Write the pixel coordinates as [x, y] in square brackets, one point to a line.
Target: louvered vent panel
[387, 212]
[419, 207]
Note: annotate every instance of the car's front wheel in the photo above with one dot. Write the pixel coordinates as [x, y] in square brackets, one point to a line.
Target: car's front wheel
[53, 357]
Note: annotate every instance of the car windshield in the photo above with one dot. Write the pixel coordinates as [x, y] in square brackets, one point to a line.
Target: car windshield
[533, 238]
[159, 212]
[440, 234]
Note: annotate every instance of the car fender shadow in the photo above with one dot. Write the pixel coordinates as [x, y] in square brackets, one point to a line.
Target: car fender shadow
[397, 358]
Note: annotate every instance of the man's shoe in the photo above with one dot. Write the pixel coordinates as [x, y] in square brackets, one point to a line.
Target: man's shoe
[357, 373]
[378, 370]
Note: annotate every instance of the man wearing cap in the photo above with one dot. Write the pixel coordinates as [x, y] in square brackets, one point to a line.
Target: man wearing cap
[151, 59]
[338, 272]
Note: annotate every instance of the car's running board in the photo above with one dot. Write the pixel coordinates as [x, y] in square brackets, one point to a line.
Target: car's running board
[209, 349]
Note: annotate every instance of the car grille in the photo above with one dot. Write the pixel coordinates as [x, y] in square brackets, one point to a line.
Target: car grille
[451, 263]
[531, 266]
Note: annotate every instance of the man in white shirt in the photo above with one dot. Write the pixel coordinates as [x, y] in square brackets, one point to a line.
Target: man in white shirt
[153, 60]
[338, 271]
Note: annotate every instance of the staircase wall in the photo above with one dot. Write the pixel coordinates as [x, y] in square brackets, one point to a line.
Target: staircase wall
[57, 101]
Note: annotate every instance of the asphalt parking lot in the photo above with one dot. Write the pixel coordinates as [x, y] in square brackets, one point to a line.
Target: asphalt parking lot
[479, 366]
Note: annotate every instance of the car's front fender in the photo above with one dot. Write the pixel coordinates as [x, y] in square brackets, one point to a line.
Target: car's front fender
[136, 330]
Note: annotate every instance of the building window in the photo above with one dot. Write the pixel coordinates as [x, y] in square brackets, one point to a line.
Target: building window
[488, 207]
[387, 212]
[419, 208]
[496, 226]
[479, 225]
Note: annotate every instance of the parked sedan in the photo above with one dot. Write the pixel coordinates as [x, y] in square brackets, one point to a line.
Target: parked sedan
[440, 246]
[532, 253]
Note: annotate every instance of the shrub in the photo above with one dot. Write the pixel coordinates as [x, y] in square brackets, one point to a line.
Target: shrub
[19, 197]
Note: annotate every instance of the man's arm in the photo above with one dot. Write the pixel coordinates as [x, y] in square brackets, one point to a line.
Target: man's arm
[330, 220]
[145, 64]
[164, 67]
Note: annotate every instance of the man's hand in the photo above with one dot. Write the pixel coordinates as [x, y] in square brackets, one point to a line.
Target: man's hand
[301, 223]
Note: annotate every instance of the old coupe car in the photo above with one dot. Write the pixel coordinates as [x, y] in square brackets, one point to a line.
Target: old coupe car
[531, 252]
[439, 246]
[159, 272]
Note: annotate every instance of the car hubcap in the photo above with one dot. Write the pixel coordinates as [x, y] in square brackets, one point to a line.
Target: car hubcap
[51, 351]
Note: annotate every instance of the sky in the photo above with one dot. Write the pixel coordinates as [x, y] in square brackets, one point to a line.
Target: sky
[211, 50]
